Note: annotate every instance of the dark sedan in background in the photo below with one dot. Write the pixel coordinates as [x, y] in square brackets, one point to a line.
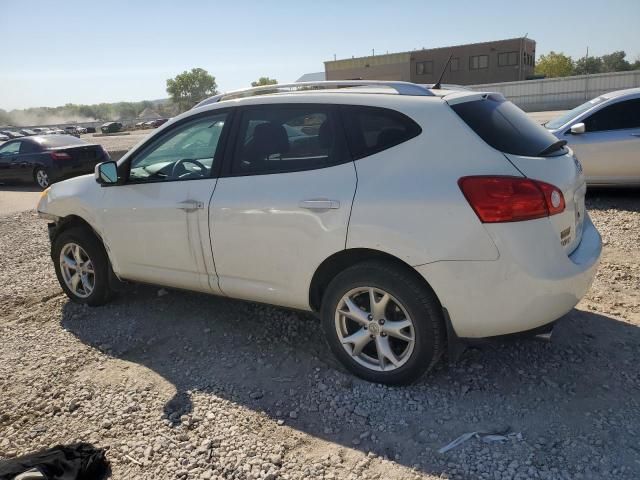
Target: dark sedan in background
[47, 159]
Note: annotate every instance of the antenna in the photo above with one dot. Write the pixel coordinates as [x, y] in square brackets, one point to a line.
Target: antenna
[438, 84]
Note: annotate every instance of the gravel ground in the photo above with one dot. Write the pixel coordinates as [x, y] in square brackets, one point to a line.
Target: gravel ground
[185, 386]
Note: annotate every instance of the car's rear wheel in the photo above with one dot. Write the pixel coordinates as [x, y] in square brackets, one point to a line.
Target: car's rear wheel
[382, 323]
[41, 177]
[82, 266]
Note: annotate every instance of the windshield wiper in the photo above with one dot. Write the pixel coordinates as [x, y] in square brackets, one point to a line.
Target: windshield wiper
[554, 147]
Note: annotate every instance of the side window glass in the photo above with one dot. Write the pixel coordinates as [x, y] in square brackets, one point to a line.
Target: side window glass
[10, 148]
[186, 152]
[618, 116]
[282, 138]
[27, 147]
[371, 130]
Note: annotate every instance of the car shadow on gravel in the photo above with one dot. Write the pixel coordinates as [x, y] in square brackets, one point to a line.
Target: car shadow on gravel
[275, 361]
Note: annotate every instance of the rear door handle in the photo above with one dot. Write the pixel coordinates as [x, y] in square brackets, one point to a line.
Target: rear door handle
[319, 204]
[190, 205]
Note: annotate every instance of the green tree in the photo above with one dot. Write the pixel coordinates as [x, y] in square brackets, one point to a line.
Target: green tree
[188, 88]
[554, 65]
[264, 81]
[615, 62]
[588, 66]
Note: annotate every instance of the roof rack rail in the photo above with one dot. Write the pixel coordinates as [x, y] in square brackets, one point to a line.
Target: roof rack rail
[401, 88]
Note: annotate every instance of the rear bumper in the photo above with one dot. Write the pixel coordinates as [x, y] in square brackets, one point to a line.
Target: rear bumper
[532, 284]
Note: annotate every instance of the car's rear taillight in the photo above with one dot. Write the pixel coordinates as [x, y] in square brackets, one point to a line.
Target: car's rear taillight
[511, 199]
[60, 156]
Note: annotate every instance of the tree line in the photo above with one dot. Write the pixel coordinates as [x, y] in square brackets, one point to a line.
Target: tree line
[560, 65]
[185, 90]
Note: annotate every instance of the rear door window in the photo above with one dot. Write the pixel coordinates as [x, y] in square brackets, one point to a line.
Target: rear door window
[28, 147]
[287, 138]
[371, 129]
[507, 128]
[618, 116]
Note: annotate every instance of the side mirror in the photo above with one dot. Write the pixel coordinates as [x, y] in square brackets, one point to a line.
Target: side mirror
[578, 128]
[106, 173]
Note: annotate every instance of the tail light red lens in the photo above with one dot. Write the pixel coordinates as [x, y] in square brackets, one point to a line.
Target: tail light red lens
[511, 199]
[60, 156]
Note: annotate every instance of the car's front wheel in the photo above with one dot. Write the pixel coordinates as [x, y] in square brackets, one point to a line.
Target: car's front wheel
[82, 266]
[382, 323]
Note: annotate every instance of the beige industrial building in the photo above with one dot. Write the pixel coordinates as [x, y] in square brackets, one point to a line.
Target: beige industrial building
[488, 62]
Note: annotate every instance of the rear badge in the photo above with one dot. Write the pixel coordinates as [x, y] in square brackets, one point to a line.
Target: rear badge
[565, 236]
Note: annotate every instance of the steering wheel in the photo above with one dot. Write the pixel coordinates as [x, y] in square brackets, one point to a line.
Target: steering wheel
[182, 161]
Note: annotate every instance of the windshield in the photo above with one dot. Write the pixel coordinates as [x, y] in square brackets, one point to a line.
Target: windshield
[566, 117]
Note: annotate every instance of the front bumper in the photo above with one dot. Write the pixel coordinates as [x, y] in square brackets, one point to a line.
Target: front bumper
[532, 284]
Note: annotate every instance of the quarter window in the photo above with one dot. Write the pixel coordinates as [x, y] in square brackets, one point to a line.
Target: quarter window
[282, 138]
[478, 62]
[28, 147]
[184, 153]
[424, 68]
[618, 116]
[371, 130]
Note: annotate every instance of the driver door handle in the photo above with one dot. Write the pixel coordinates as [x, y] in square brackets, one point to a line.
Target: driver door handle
[190, 205]
[319, 204]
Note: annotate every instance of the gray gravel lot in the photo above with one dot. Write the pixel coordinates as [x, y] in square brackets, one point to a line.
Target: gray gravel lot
[187, 386]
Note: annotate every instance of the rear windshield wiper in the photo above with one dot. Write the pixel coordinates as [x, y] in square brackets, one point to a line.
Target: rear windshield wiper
[554, 147]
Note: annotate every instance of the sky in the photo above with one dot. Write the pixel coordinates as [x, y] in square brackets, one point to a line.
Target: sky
[71, 51]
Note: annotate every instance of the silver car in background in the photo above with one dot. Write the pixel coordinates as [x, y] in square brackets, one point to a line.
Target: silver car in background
[604, 133]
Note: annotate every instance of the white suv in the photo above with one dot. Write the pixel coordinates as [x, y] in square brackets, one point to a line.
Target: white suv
[410, 218]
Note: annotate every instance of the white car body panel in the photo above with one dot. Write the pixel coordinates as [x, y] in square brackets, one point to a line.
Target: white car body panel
[266, 245]
[153, 240]
[408, 202]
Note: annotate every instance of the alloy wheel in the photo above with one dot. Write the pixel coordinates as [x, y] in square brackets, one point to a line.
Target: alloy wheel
[374, 328]
[77, 270]
[42, 178]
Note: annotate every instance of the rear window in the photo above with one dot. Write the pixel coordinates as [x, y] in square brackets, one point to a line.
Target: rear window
[57, 141]
[371, 130]
[507, 128]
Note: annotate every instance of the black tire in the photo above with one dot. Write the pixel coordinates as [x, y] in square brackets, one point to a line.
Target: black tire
[86, 239]
[415, 297]
[40, 173]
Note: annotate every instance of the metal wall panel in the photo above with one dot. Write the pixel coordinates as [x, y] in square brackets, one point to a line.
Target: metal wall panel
[561, 93]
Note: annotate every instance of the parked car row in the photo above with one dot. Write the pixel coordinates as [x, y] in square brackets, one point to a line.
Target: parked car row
[151, 124]
[9, 134]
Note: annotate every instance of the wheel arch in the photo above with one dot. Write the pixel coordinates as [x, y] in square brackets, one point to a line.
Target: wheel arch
[343, 259]
[73, 221]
